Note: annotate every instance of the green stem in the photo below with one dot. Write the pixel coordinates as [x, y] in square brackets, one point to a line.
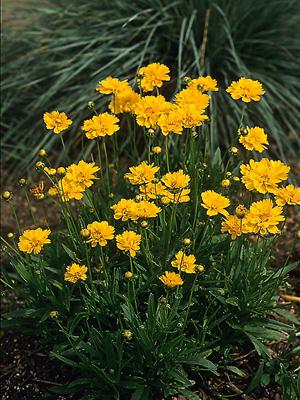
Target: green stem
[29, 205]
[106, 166]
[167, 153]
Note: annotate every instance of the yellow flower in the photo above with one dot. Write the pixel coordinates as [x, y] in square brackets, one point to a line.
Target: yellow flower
[81, 175]
[153, 76]
[85, 233]
[171, 279]
[234, 150]
[171, 122]
[256, 139]
[246, 89]
[152, 190]
[112, 85]
[241, 210]
[100, 233]
[176, 180]
[233, 225]
[128, 275]
[53, 191]
[67, 190]
[75, 272]
[124, 101]
[215, 203]
[56, 121]
[50, 171]
[287, 195]
[264, 175]
[61, 170]
[225, 183]
[127, 334]
[176, 197]
[191, 116]
[129, 241]
[262, 218]
[185, 263]
[101, 125]
[142, 173]
[33, 240]
[125, 209]
[204, 84]
[156, 149]
[53, 314]
[191, 95]
[149, 109]
[146, 209]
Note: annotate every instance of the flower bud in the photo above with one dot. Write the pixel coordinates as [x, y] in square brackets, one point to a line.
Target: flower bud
[10, 235]
[91, 104]
[128, 274]
[22, 181]
[228, 174]
[151, 132]
[42, 153]
[39, 164]
[200, 268]
[61, 170]
[156, 149]
[298, 234]
[236, 179]
[186, 241]
[138, 197]
[127, 334]
[111, 195]
[144, 224]
[225, 183]
[6, 195]
[240, 210]
[234, 150]
[53, 314]
[85, 233]
[186, 80]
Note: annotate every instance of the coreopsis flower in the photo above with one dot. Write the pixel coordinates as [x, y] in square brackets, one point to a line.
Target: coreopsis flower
[53, 191]
[241, 210]
[287, 195]
[56, 121]
[264, 175]
[176, 180]
[125, 210]
[112, 85]
[263, 217]
[204, 84]
[171, 122]
[185, 263]
[146, 209]
[75, 272]
[101, 125]
[129, 241]
[255, 139]
[152, 76]
[50, 171]
[124, 101]
[246, 89]
[81, 175]
[61, 170]
[149, 109]
[156, 150]
[33, 240]
[142, 173]
[171, 279]
[191, 95]
[225, 183]
[100, 233]
[153, 190]
[215, 203]
[181, 196]
[191, 116]
[232, 225]
[67, 190]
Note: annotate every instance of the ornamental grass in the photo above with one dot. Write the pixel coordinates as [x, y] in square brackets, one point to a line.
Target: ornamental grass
[160, 265]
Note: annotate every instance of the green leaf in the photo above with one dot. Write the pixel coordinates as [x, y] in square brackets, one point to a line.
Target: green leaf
[236, 370]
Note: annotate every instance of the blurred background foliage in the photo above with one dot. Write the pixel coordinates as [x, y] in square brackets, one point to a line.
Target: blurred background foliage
[55, 57]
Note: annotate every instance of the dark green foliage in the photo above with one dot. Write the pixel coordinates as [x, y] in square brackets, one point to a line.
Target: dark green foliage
[56, 58]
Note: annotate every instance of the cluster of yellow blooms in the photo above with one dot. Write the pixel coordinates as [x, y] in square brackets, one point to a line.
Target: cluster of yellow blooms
[156, 192]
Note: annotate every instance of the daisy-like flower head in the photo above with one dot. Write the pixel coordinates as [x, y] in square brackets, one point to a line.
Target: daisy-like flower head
[191, 95]
[287, 195]
[67, 190]
[149, 109]
[153, 190]
[56, 121]
[146, 209]
[185, 263]
[81, 175]
[176, 180]
[142, 173]
[264, 175]
[112, 85]
[232, 225]
[191, 116]
[75, 272]
[100, 233]
[129, 241]
[124, 101]
[215, 203]
[125, 210]
[255, 139]
[171, 279]
[204, 84]
[262, 218]
[101, 125]
[153, 75]
[171, 122]
[246, 89]
[33, 240]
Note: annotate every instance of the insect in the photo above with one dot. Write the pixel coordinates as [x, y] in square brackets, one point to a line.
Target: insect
[38, 191]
